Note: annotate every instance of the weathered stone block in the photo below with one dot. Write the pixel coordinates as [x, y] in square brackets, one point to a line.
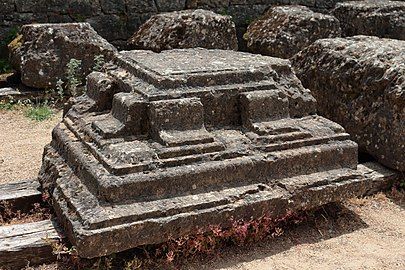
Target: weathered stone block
[113, 6]
[185, 146]
[41, 52]
[359, 82]
[41, 6]
[243, 15]
[327, 4]
[141, 6]
[186, 29]
[173, 5]
[260, 106]
[285, 30]
[101, 89]
[110, 26]
[209, 4]
[7, 6]
[81, 9]
[372, 18]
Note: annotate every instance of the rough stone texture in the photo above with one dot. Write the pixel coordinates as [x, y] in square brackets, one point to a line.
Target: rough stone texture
[167, 142]
[359, 82]
[285, 30]
[186, 29]
[41, 52]
[127, 15]
[373, 18]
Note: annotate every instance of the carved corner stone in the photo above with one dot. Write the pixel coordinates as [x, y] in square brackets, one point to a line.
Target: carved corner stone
[164, 143]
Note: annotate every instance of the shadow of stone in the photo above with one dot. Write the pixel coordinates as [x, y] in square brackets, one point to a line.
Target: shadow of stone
[329, 221]
[397, 196]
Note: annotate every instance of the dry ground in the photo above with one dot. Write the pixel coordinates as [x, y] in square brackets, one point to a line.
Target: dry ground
[21, 144]
[365, 234]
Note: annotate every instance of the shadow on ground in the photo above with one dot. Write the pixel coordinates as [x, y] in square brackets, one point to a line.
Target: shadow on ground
[328, 222]
[397, 197]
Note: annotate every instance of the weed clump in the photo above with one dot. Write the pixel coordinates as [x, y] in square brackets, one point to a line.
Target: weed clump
[73, 71]
[99, 62]
[10, 215]
[39, 112]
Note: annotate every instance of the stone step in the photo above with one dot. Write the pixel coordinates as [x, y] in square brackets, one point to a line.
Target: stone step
[27, 244]
[141, 186]
[138, 211]
[21, 194]
[156, 221]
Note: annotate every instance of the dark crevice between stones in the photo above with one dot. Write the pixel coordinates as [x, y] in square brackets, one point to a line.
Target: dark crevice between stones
[365, 157]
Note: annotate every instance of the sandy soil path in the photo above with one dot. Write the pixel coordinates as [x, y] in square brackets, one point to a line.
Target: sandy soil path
[366, 234]
[21, 144]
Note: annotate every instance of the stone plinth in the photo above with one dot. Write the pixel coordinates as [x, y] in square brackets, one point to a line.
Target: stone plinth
[163, 144]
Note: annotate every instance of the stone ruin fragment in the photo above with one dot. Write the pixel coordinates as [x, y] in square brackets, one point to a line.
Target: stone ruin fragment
[165, 143]
[285, 30]
[380, 18]
[186, 29]
[42, 51]
[359, 82]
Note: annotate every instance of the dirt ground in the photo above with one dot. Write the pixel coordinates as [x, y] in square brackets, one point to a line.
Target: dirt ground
[363, 234]
[366, 234]
[21, 144]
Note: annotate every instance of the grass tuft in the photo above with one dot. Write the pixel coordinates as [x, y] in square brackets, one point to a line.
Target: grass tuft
[6, 106]
[39, 112]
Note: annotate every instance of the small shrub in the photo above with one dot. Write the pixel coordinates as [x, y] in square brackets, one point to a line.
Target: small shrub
[99, 62]
[54, 96]
[59, 89]
[39, 112]
[73, 76]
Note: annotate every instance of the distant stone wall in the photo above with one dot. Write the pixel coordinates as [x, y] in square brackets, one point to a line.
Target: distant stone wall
[117, 20]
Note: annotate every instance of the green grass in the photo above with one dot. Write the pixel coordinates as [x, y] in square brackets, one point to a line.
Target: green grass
[8, 106]
[39, 112]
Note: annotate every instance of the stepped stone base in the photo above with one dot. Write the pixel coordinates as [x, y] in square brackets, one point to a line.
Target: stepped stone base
[113, 229]
[165, 143]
